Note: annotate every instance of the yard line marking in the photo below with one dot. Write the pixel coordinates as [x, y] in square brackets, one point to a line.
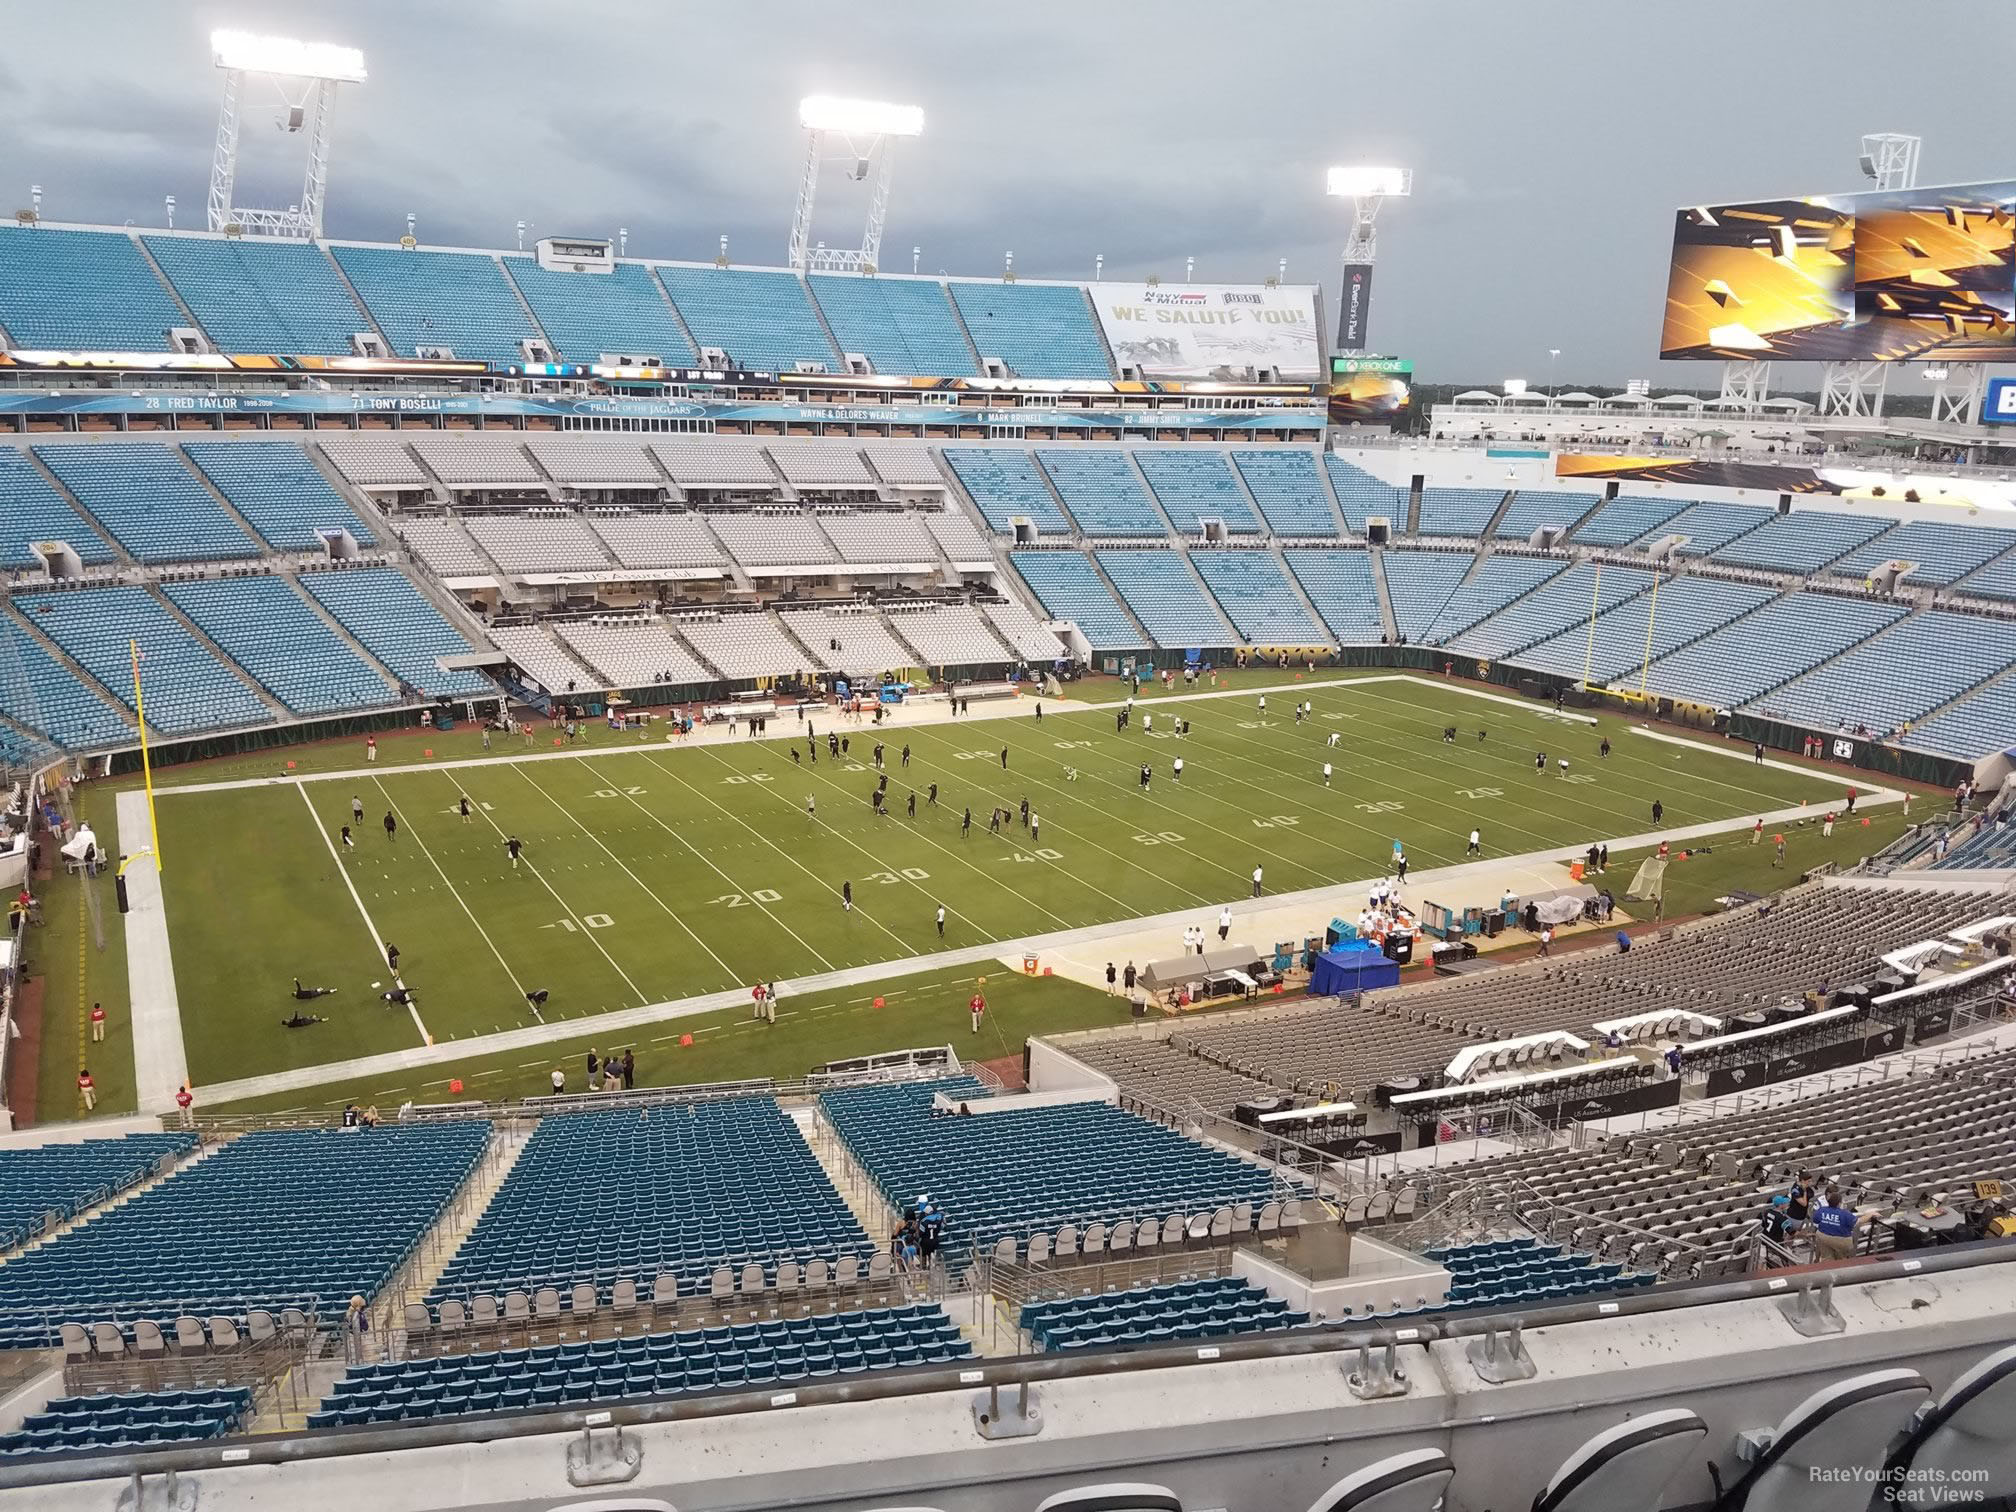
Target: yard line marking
[377, 939]
[532, 867]
[726, 970]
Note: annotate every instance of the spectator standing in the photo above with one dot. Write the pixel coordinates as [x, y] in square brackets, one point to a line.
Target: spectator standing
[185, 1103]
[594, 1071]
[97, 1022]
[87, 1089]
[559, 1081]
[976, 1008]
[1112, 978]
[1834, 1228]
[630, 1070]
[1128, 976]
[1224, 923]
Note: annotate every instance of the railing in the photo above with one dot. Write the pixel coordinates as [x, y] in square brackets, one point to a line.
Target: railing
[274, 1368]
[1298, 1169]
[1014, 1286]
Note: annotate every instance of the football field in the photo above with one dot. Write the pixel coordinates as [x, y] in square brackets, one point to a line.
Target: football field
[653, 872]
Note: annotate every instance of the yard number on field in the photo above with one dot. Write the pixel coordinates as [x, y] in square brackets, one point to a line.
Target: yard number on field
[739, 900]
[737, 778]
[1388, 806]
[1480, 792]
[593, 921]
[1044, 853]
[1159, 837]
[622, 792]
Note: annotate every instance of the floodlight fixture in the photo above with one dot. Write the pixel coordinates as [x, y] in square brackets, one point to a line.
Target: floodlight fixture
[1364, 181]
[1514, 387]
[870, 118]
[286, 57]
[868, 131]
[1367, 186]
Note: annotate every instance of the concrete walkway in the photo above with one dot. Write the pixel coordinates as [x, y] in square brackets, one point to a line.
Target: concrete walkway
[160, 1061]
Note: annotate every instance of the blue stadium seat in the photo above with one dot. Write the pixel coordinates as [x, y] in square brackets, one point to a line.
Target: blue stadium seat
[1627, 518]
[1339, 584]
[1288, 487]
[1209, 1308]
[85, 1424]
[1991, 847]
[1039, 330]
[1910, 669]
[1498, 580]
[394, 623]
[1710, 527]
[457, 300]
[41, 693]
[762, 320]
[1563, 600]
[1683, 610]
[1750, 656]
[152, 504]
[1069, 588]
[270, 631]
[1944, 553]
[31, 510]
[1257, 599]
[64, 1179]
[1102, 491]
[1419, 584]
[1803, 541]
[1457, 511]
[1532, 508]
[1005, 483]
[903, 326]
[89, 291]
[1362, 496]
[1979, 725]
[209, 1239]
[1166, 599]
[275, 487]
[1997, 580]
[589, 314]
[260, 294]
[186, 688]
[1194, 484]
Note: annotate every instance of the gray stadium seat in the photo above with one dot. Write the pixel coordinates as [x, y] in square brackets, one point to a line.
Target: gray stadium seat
[1410, 1482]
[1114, 1497]
[1626, 1468]
[1964, 1448]
[1836, 1438]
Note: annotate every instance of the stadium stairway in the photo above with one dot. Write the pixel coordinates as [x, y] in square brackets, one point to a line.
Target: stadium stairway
[1295, 587]
[1414, 508]
[120, 554]
[27, 626]
[1490, 530]
[117, 1200]
[1092, 558]
[147, 256]
[1389, 624]
[341, 631]
[218, 497]
[274, 706]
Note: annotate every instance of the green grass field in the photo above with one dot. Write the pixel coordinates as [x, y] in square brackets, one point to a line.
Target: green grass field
[652, 872]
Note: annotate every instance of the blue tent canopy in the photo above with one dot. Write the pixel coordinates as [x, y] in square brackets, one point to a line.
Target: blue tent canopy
[1352, 967]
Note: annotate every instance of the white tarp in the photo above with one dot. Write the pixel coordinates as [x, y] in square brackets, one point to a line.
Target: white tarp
[1226, 331]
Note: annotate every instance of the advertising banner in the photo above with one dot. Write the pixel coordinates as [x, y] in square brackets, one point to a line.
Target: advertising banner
[1999, 407]
[1355, 308]
[1726, 1079]
[1222, 331]
[1776, 477]
[1931, 1024]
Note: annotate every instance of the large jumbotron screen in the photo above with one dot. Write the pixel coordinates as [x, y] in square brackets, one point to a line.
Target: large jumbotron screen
[1894, 275]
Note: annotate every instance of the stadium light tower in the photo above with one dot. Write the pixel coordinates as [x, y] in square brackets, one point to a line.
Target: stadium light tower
[869, 130]
[1891, 159]
[305, 76]
[1367, 187]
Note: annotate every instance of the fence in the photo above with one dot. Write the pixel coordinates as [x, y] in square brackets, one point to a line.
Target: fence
[1014, 1286]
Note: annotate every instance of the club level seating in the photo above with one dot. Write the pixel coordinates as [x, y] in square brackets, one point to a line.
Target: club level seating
[1102, 492]
[465, 461]
[261, 294]
[1995, 581]
[279, 491]
[949, 635]
[524, 546]
[1910, 669]
[1004, 483]
[1256, 597]
[1498, 580]
[1563, 600]
[822, 465]
[64, 1179]
[208, 1240]
[457, 300]
[185, 686]
[39, 692]
[1944, 553]
[1710, 527]
[1029, 1170]
[1419, 584]
[901, 325]
[1025, 633]
[1288, 488]
[269, 630]
[634, 653]
[959, 538]
[596, 461]
[1038, 330]
[865, 647]
[152, 504]
[1362, 496]
[81, 291]
[32, 510]
[1992, 846]
[1195, 486]
[1166, 599]
[1177, 1310]
[1979, 725]
[134, 1420]
[1532, 508]
[444, 546]
[895, 540]
[589, 314]
[770, 540]
[659, 540]
[1750, 656]
[1685, 609]
[1070, 588]
[1329, 1048]
[1519, 1272]
[373, 461]
[1458, 511]
[747, 1357]
[1339, 584]
[598, 1198]
[387, 614]
[900, 465]
[544, 662]
[744, 645]
[1802, 542]
[1158, 1072]
[715, 464]
[761, 320]
[1627, 518]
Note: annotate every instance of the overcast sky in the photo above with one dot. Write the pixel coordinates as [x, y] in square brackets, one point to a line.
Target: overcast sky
[1551, 139]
